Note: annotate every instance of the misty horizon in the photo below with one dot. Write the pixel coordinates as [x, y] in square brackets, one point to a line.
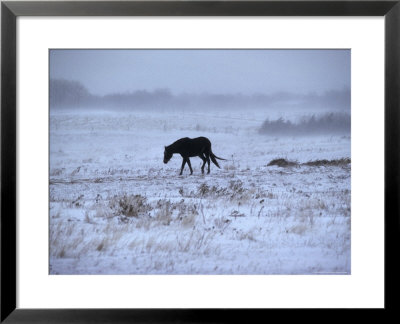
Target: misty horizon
[198, 93]
[67, 93]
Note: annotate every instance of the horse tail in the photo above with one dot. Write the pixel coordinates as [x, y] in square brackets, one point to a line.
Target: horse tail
[218, 157]
[214, 157]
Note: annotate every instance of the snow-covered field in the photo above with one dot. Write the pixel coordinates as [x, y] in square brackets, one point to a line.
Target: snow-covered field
[115, 208]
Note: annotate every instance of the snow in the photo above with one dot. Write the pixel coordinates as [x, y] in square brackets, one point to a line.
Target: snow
[115, 208]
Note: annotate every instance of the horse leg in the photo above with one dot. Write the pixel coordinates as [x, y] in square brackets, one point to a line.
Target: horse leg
[183, 165]
[204, 162]
[207, 154]
[190, 166]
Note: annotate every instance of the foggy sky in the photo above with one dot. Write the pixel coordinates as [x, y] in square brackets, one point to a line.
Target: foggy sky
[198, 71]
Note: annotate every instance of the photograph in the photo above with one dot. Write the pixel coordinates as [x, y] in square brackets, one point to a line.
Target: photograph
[199, 161]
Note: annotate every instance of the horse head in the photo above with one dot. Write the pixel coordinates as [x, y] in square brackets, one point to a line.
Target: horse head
[167, 155]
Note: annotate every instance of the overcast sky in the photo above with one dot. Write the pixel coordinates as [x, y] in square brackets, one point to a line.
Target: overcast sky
[197, 71]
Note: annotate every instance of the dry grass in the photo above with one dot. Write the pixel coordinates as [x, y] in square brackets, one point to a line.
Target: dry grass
[299, 229]
[235, 191]
[283, 163]
[129, 205]
[338, 162]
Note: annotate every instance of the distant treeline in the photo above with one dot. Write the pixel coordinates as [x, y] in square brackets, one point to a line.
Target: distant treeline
[72, 94]
[330, 123]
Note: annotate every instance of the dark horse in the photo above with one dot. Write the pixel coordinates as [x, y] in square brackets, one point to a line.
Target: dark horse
[189, 147]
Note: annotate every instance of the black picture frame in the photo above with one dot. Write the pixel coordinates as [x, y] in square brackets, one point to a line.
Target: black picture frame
[10, 10]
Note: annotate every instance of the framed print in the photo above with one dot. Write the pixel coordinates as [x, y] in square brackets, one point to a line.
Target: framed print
[194, 158]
